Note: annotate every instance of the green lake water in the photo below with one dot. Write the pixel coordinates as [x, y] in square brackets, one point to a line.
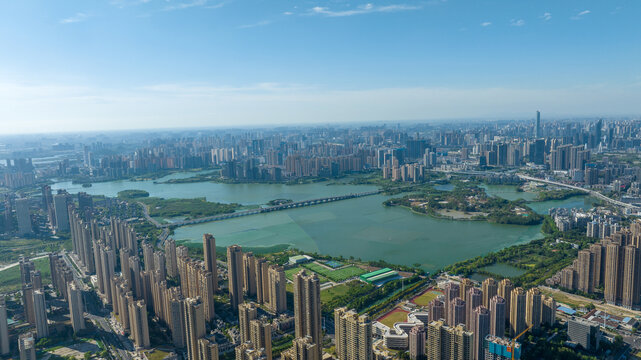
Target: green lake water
[362, 227]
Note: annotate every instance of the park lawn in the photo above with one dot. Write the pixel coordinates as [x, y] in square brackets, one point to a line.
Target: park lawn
[396, 315]
[10, 278]
[339, 290]
[337, 275]
[156, 354]
[12, 249]
[425, 298]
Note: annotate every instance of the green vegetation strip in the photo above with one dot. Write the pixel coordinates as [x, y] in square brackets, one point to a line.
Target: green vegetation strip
[337, 275]
[10, 278]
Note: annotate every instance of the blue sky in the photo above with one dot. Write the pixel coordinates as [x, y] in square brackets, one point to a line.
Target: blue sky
[84, 65]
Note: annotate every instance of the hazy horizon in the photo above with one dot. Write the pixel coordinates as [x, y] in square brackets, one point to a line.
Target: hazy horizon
[140, 64]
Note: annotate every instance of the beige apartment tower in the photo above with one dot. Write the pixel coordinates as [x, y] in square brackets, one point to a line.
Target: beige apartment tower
[517, 311]
[209, 252]
[235, 275]
[307, 309]
[353, 334]
[261, 336]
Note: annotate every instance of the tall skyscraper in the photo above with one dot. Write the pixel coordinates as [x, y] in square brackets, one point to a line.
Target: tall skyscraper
[246, 313]
[170, 254]
[27, 346]
[235, 275]
[630, 297]
[474, 299]
[505, 291]
[76, 307]
[480, 326]
[585, 264]
[194, 326]
[277, 289]
[208, 349]
[40, 310]
[466, 285]
[490, 288]
[4, 327]
[452, 290]
[353, 334]
[60, 202]
[262, 282]
[537, 129]
[613, 284]
[417, 338]
[445, 342]
[24, 218]
[307, 308]
[497, 316]
[302, 349]
[249, 274]
[456, 312]
[517, 311]
[27, 304]
[177, 324]
[533, 308]
[139, 324]
[209, 251]
[436, 310]
[261, 336]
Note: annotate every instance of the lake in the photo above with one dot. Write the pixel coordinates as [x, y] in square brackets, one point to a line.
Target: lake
[362, 227]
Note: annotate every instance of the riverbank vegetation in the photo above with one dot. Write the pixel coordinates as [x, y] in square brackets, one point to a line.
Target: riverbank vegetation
[540, 259]
[468, 202]
[545, 195]
[168, 208]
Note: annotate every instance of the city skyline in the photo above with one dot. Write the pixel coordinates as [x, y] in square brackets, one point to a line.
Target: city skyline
[142, 64]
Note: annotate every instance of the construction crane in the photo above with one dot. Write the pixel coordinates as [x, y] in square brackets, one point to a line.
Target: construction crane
[512, 348]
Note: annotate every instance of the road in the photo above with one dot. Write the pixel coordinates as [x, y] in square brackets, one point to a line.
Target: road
[596, 194]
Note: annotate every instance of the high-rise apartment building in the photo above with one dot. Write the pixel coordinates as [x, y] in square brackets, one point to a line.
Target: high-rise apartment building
[303, 348]
[490, 288]
[246, 313]
[4, 327]
[194, 326]
[533, 307]
[260, 334]
[497, 316]
[448, 343]
[27, 346]
[277, 289]
[207, 349]
[76, 307]
[40, 311]
[505, 291]
[473, 299]
[353, 334]
[417, 342]
[249, 274]
[170, 254]
[235, 275]
[480, 326]
[436, 310]
[456, 312]
[139, 324]
[209, 251]
[307, 309]
[517, 311]
[23, 216]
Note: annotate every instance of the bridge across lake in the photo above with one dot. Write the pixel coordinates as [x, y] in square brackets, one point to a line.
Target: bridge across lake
[285, 206]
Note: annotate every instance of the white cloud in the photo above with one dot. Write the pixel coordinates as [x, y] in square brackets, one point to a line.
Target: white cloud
[580, 15]
[546, 16]
[486, 23]
[54, 108]
[517, 22]
[257, 24]
[78, 17]
[184, 5]
[288, 13]
[362, 9]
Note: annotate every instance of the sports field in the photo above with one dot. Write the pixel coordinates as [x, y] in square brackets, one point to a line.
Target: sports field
[394, 316]
[427, 296]
[337, 275]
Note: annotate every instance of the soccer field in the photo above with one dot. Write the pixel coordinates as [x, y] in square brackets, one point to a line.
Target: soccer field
[335, 275]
